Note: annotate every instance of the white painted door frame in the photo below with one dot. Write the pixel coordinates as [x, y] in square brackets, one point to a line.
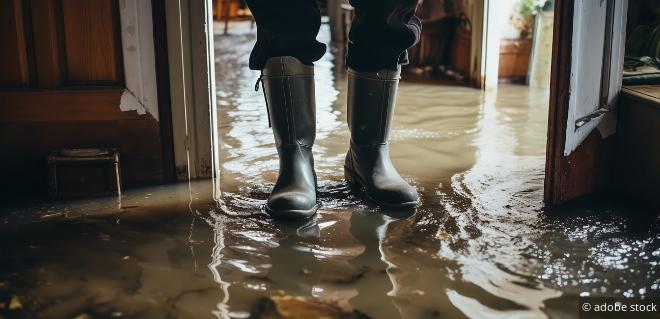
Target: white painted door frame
[587, 109]
[192, 83]
[487, 21]
[494, 17]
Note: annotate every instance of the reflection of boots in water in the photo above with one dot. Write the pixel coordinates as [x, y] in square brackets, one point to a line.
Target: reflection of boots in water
[289, 91]
[335, 248]
[371, 97]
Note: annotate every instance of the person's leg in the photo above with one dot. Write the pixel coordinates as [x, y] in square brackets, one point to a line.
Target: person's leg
[286, 28]
[285, 51]
[382, 31]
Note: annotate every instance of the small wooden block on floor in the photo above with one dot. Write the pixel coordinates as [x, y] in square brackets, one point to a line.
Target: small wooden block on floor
[84, 172]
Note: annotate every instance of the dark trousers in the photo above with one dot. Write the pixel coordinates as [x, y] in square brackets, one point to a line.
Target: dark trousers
[380, 34]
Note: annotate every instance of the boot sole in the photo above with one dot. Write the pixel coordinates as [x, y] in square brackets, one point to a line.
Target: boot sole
[292, 214]
[356, 182]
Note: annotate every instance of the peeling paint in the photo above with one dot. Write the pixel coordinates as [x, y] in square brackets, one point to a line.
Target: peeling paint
[129, 102]
[139, 64]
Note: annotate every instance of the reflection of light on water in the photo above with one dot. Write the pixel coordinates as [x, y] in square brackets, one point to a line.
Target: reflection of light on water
[222, 311]
[240, 247]
[391, 268]
[472, 308]
[492, 186]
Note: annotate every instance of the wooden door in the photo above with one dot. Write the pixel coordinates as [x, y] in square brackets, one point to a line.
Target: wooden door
[587, 62]
[61, 84]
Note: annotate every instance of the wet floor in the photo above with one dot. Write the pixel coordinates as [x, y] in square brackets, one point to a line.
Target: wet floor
[481, 245]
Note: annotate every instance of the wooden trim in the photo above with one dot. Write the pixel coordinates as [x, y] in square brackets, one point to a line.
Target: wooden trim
[559, 98]
[649, 95]
[62, 105]
[638, 152]
[163, 88]
[119, 50]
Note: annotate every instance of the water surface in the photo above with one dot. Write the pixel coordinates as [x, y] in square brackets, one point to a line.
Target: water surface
[481, 245]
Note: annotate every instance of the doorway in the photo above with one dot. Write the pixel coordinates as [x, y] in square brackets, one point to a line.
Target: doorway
[476, 156]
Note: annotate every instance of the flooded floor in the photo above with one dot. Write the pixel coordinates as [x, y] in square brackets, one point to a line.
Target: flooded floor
[481, 245]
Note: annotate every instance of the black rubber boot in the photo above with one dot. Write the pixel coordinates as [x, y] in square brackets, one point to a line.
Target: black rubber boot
[289, 91]
[371, 97]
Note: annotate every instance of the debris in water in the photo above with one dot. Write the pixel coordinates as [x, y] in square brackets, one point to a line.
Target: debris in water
[15, 303]
[53, 215]
[289, 307]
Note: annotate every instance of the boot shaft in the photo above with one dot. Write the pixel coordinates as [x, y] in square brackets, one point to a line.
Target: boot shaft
[371, 100]
[289, 90]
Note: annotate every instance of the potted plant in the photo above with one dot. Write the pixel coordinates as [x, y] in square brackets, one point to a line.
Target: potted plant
[515, 52]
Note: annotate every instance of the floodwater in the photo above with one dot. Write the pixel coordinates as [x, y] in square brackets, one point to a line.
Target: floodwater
[481, 245]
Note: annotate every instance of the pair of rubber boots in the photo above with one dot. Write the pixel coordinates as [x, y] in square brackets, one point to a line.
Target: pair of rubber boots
[289, 90]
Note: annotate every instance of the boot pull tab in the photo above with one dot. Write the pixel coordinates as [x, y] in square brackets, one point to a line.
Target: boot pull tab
[256, 89]
[256, 85]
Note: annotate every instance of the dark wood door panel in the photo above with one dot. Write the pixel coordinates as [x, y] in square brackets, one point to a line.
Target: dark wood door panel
[91, 40]
[62, 105]
[14, 70]
[59, 43]
[61, 85]
[48, 38]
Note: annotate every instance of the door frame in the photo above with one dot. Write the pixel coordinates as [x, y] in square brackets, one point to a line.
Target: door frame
[192, 88]
[194, 115]
[589, 167]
